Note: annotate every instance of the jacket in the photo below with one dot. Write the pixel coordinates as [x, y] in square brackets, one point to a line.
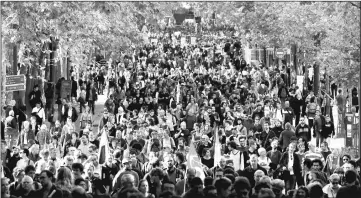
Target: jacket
[249, 173]
[94, 92]
[74, 115]
[296, 167]
[303, 131]
[285, 138]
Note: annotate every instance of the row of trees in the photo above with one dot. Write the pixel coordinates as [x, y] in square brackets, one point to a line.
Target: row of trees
[74, 28]
[328, 31]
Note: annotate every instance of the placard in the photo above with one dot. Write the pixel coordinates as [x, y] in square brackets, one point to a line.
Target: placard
[65, 90]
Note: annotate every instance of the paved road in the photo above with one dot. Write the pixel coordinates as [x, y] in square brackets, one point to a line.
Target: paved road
[99, 107]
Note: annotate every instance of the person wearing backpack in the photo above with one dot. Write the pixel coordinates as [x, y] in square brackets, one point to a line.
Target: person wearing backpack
[319, 123]
[311, 111]
[283, 94]
[11, 130]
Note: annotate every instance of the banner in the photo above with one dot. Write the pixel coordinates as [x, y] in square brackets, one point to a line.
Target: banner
[193, 40]
[104, 152]
[299, 82]
[183, 41]
[194, 161]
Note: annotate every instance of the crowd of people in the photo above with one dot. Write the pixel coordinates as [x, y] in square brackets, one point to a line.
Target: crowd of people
[249, 126]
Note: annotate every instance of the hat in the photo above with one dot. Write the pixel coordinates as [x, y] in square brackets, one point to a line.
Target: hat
[125, 160]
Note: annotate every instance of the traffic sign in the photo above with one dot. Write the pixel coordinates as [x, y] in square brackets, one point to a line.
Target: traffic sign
[15, 88]
[15, 79]
[280, 53]
[14, 83]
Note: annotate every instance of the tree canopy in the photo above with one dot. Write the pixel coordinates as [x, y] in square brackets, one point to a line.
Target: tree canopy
[328, 31]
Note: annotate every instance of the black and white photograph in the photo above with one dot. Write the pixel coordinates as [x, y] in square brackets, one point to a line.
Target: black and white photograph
[180, 99]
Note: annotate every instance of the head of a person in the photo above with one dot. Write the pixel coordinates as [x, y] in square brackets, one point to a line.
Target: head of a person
[34, 149]
[64, 177]
[315, 190]
[261, 186]
[18, 174]
[156, 175]
[266, 193]
[317, 165]
[350, 177]
[46, 177]
[277, 187]
[262, 152]
[232, 145]
[223, 186]
[301, 192]
[78, 192]
[77, 170]
[196, 184]
[27, 183]
[258, 175]
[222, 162]
[254, 160]
[287, 104]
[335, 181]
[348, 166]
[266, 126]
[324, 146]
[128, 181]
[210, 191]
[346, 158]
[30, 171]
[168, 186]
[143, 186]
[292, 147]
[24, 153]
[191, 173]
[80, 182]
[242, 187]
[4, 185]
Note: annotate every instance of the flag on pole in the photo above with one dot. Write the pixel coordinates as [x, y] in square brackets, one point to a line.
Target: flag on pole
[217, 147]
[178, 93]
[104, 151]
[194, 161]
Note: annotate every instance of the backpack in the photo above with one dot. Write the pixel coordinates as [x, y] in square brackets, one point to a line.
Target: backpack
[312, 108]
[323, 121]
[283, 93]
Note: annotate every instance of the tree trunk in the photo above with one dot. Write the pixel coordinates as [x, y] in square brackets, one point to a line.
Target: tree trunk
[316, 78]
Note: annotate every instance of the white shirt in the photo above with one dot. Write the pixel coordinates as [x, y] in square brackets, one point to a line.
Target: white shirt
[290, 163]
[236, 159]
[40, 112]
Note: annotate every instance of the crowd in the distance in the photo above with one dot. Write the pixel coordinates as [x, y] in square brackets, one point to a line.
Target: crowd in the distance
[250, 125]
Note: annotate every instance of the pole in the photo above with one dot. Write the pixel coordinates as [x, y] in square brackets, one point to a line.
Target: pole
[359, 104]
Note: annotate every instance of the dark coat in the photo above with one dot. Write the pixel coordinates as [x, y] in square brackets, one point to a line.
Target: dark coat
[74, 115]
[58, 193]
[249, 173]
[296, 167]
